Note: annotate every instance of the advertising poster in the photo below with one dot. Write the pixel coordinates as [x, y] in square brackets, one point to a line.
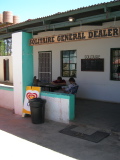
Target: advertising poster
[31, 92]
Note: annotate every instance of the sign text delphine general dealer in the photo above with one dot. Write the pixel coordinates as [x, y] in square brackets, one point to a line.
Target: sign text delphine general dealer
[87, 35]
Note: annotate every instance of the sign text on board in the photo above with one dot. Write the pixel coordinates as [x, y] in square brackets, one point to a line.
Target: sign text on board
[87, 35]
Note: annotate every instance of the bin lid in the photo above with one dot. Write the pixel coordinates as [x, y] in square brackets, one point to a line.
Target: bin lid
[36, 100]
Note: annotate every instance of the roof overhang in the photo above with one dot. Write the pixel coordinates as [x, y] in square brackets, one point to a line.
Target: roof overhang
[92, 15]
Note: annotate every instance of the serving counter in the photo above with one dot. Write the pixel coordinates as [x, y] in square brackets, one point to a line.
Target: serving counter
[59, 107]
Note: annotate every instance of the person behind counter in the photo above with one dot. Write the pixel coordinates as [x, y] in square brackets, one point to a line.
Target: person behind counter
[71, 88]
[59, 81]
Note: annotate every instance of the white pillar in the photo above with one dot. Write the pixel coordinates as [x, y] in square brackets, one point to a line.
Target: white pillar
[22, 62]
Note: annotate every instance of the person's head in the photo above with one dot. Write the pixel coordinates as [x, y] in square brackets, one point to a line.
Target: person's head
[71, 80]
[59, 79]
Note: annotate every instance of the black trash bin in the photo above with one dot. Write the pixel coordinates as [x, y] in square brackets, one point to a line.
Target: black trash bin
[37, 107]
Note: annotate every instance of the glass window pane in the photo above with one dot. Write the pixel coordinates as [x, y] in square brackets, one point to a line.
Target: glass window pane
[114, 68]
[73, 60]
[114, 75]
[65, 60]
[72, 53]
[65, 53]
[72, 73]
[5, 41]
[116, 60]
[72, 66]
[6, 47]
[2, 47]
[116, 53]
[118, 69]
[9, 46]
[115, 64]
[65, 66]
[65, 73]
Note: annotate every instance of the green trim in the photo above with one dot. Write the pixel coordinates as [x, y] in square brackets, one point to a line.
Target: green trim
[27, 61]
[72, 107]
[85, 20]
[7, 35]
[6, 88]
[55, 94]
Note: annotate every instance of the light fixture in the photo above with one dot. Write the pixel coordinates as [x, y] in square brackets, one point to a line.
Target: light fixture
[71, 19]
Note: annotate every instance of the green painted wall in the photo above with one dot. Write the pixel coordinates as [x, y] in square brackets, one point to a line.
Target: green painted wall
[72, 107]
[27, 61]
[6, 88]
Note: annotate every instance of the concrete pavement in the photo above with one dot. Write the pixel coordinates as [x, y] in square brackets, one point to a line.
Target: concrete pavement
[21, 139]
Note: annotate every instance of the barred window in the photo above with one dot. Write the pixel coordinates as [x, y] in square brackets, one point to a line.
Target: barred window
[69, 63]
[115, 64]
[6, 47]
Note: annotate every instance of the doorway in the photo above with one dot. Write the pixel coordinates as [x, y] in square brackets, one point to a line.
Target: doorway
[45, 66]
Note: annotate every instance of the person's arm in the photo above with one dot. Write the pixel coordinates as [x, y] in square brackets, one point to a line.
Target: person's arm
[54, 82]
[63, 82]
[67, 89]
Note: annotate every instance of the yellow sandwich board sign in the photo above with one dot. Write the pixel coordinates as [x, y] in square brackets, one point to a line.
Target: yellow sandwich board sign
[31, 92]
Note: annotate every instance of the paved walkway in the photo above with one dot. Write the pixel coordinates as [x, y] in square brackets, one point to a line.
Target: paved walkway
[21, 139]
[101, 115]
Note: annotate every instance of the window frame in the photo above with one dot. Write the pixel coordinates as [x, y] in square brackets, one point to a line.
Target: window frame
[114, 57]
[68, 63]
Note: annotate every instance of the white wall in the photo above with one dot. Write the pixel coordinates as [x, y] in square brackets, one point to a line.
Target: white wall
[7, 99]
[92, 85]
[17, 71]
[56, 109]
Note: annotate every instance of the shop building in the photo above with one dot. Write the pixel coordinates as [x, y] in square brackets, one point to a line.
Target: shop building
[86, 48]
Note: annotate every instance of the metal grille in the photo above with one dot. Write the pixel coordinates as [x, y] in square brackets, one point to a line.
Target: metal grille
[44, 74]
